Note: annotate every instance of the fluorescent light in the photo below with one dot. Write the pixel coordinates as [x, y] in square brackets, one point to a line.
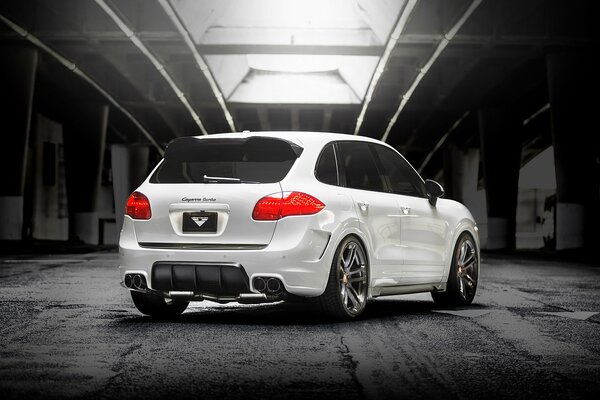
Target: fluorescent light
[293, 63]
[294, 88]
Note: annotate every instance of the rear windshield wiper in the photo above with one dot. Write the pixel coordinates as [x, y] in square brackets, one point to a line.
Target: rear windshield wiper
[223, 179]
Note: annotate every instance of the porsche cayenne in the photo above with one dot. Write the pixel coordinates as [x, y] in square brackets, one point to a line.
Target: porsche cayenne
[269, 216]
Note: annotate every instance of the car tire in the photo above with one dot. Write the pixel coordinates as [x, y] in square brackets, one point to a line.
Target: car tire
[345, 295]
[463, 275]
[157, 306]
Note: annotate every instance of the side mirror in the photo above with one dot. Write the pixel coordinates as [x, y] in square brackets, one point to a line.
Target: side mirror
[434, 191]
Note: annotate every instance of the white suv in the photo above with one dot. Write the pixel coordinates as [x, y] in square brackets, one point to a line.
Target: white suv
[271, 216]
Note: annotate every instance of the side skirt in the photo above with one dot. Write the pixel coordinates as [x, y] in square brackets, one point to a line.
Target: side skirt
[407, 289]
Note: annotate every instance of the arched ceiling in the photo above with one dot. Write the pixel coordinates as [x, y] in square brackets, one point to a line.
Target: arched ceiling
[187, 67]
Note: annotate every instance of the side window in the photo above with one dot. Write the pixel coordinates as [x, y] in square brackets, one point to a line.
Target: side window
[359, 166]
[401, 176]
[326, 170]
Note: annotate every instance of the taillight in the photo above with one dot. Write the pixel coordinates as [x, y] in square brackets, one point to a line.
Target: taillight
[138, 206]
[277, 206]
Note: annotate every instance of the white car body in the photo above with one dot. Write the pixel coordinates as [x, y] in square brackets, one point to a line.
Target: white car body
[409, 242]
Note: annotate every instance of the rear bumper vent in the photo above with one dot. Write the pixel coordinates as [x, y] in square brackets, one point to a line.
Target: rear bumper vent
[226, 279]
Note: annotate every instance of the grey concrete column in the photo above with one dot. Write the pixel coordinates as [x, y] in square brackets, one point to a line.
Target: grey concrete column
[461, 172]
[129, 169]
[47, 182]
[572, 85]
[85, 138]
[17, 82]
[501, 154]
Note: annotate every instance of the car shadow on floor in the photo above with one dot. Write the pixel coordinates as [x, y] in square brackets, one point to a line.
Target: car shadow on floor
[296, 314]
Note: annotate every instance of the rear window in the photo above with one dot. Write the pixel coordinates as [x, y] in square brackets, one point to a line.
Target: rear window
[326, 170]
[252, 160]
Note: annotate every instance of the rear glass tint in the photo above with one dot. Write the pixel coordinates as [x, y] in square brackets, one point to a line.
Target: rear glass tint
[257, 160]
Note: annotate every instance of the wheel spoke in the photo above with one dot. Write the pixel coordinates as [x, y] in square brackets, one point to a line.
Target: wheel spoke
[360, 269]
[342, 273]
[469, 267]
[469, 263]
[468, 260]
[344, 292]
[463, 253]
[461, 286]
[350, 257]
[469, 280]
[343, 261]
[355, 260]
[353, 296]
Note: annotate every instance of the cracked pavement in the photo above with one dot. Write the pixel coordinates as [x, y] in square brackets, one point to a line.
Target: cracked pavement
[68, 330]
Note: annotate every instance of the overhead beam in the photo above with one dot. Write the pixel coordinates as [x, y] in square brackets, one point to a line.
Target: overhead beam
[168, 37]
[290, 49]
[443, 139]
[448, 37]
[289, 36]
[187, 38]
[405, 14]
[77, 71]
[503, 40]
[130, 34]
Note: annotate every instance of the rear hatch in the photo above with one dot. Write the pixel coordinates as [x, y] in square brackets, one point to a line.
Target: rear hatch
[203, 193]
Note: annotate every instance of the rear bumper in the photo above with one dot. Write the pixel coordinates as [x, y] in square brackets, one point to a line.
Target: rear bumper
[299, 255]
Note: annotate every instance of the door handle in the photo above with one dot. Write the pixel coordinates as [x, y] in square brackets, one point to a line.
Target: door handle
[405, 210]
[364, 206]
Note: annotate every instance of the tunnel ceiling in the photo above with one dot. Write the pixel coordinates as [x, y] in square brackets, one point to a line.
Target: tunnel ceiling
[183, 67]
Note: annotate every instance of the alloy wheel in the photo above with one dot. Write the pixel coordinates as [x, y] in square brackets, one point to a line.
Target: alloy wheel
[352, 274]
[467, 268]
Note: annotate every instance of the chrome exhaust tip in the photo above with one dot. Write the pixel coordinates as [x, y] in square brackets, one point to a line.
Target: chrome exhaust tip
[273, 285]
[260, 284]
[127, 281]
[138, 281]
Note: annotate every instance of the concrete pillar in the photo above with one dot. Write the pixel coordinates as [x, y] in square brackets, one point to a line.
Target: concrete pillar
[17, 82]
[85, 138]
[501, 154]
[573, 95]
[47, 182]
[129, 169]
[461, 173]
